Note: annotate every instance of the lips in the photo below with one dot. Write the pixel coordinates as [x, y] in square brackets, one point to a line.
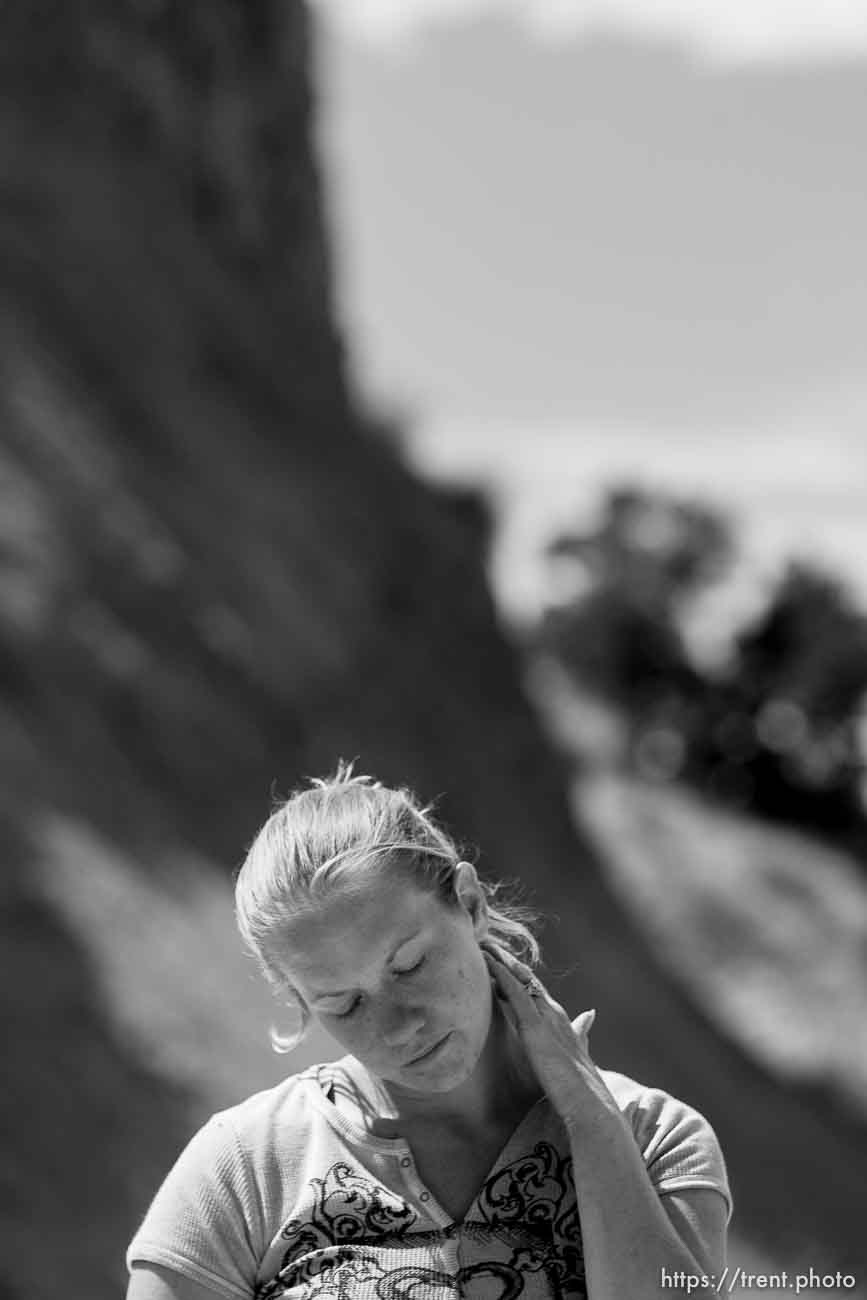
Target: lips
[429, 1051]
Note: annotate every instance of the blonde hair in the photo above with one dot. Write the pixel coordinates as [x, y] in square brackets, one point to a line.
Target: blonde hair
[332, 836]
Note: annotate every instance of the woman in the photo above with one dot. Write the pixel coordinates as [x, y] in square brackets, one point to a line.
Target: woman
[466, 1145]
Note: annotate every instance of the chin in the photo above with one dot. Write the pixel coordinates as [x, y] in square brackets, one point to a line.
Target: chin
[450, 1066]
[441, 1080]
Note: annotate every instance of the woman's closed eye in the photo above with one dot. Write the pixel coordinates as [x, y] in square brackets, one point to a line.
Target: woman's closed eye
[409, 970]
[356, 1002]
[344, 1015]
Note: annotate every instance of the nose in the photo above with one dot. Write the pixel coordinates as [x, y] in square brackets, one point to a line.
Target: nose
[400, 1024]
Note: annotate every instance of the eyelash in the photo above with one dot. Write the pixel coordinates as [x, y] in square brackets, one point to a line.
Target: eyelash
[410, 970]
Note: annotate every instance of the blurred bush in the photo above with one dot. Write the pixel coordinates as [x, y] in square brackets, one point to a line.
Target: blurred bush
[779, 726]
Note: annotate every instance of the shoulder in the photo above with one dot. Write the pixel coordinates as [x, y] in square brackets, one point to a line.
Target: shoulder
[643, 1101]
[658, 1119]
[678, 1144]
[212, 1211]
[275, 1113]
[270, 1120]
[651, 1110]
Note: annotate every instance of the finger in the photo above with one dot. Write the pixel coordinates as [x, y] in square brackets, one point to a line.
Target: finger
[499, 966]
[503, 978]
[518, 971]
[513, 963]
[507, 1010]
[510, 962]
[584, 1023]
[517, 991]
[501, 994]
[492, 948]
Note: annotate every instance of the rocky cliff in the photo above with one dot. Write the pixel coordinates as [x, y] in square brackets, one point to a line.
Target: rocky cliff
[215, 577]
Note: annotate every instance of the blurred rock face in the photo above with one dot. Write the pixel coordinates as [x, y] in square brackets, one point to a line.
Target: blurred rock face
[214, 576]
[233, 573]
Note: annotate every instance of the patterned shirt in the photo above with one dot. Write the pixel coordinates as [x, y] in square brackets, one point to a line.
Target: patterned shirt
[285, 1196]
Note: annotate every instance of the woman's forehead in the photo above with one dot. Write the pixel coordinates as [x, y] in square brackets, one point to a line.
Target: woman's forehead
[349, 932]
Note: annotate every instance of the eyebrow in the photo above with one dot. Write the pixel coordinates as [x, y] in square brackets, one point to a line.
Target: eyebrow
[339, 993]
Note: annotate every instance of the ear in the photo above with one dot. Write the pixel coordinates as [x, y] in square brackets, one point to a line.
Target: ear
[471, 897]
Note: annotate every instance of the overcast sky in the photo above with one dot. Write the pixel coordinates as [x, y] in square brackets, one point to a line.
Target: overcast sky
[720, 30]
[662, 223]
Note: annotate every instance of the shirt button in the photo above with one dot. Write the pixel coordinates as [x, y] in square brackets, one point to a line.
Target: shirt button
[406, 1162]
[425, 1196]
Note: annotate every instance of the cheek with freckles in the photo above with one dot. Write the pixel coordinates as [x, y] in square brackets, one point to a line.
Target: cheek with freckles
[473, 993]
[357, 1034]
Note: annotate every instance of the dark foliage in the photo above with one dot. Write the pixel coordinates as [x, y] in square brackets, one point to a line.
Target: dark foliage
[776, 728]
